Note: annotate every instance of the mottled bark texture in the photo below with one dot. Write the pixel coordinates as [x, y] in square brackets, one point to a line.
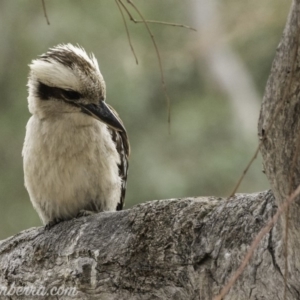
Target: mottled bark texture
[182, 248]
[167, 249]
[279, 132]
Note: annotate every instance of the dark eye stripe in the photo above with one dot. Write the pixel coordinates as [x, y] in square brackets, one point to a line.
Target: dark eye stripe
[71, 95]
[45, 92]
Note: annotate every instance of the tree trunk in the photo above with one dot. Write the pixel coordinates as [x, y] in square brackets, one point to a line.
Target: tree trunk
[181, 248]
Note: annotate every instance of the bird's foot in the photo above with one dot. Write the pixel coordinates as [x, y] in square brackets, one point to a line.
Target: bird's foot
[52, 223]
[85, 213]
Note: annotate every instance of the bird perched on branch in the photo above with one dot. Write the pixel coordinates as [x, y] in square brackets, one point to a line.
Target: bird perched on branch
[76, 149]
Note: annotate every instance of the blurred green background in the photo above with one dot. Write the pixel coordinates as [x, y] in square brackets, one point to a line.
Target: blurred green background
[215, 78]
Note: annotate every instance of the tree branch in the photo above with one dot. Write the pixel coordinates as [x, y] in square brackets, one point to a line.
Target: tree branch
[164, 249]
[45, 12]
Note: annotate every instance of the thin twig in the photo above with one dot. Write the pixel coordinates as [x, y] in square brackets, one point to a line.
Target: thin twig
[154, 21]
[131, 18]
[45, 12]
[127, 31]
[245, 172]
[159, 62]
[256, 241]
[164, 23]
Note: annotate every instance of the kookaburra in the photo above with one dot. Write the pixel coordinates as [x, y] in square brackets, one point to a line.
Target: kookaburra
[75, 154]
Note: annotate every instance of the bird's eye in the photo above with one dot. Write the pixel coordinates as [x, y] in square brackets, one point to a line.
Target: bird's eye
[71, 95]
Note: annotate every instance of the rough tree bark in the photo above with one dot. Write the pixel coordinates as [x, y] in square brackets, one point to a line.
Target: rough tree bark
[183, 248]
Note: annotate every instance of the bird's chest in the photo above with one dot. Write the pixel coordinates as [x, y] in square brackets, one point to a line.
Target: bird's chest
[63, 147]
[63, 155]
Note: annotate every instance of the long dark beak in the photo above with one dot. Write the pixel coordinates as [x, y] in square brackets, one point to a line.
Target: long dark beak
[104, 114]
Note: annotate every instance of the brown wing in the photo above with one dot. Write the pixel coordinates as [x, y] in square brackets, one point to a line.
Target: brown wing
[123, 148]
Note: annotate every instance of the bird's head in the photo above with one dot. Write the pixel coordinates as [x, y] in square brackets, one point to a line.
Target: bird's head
[68, 80]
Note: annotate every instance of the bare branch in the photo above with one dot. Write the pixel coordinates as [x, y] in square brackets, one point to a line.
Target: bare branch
[127, 31]
[154, 21]
[128, 12]
[245, 172]
[45, 12]
[164, 23]
[159, 62]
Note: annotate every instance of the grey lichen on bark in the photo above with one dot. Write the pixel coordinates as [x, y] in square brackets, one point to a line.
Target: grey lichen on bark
[182, 248]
